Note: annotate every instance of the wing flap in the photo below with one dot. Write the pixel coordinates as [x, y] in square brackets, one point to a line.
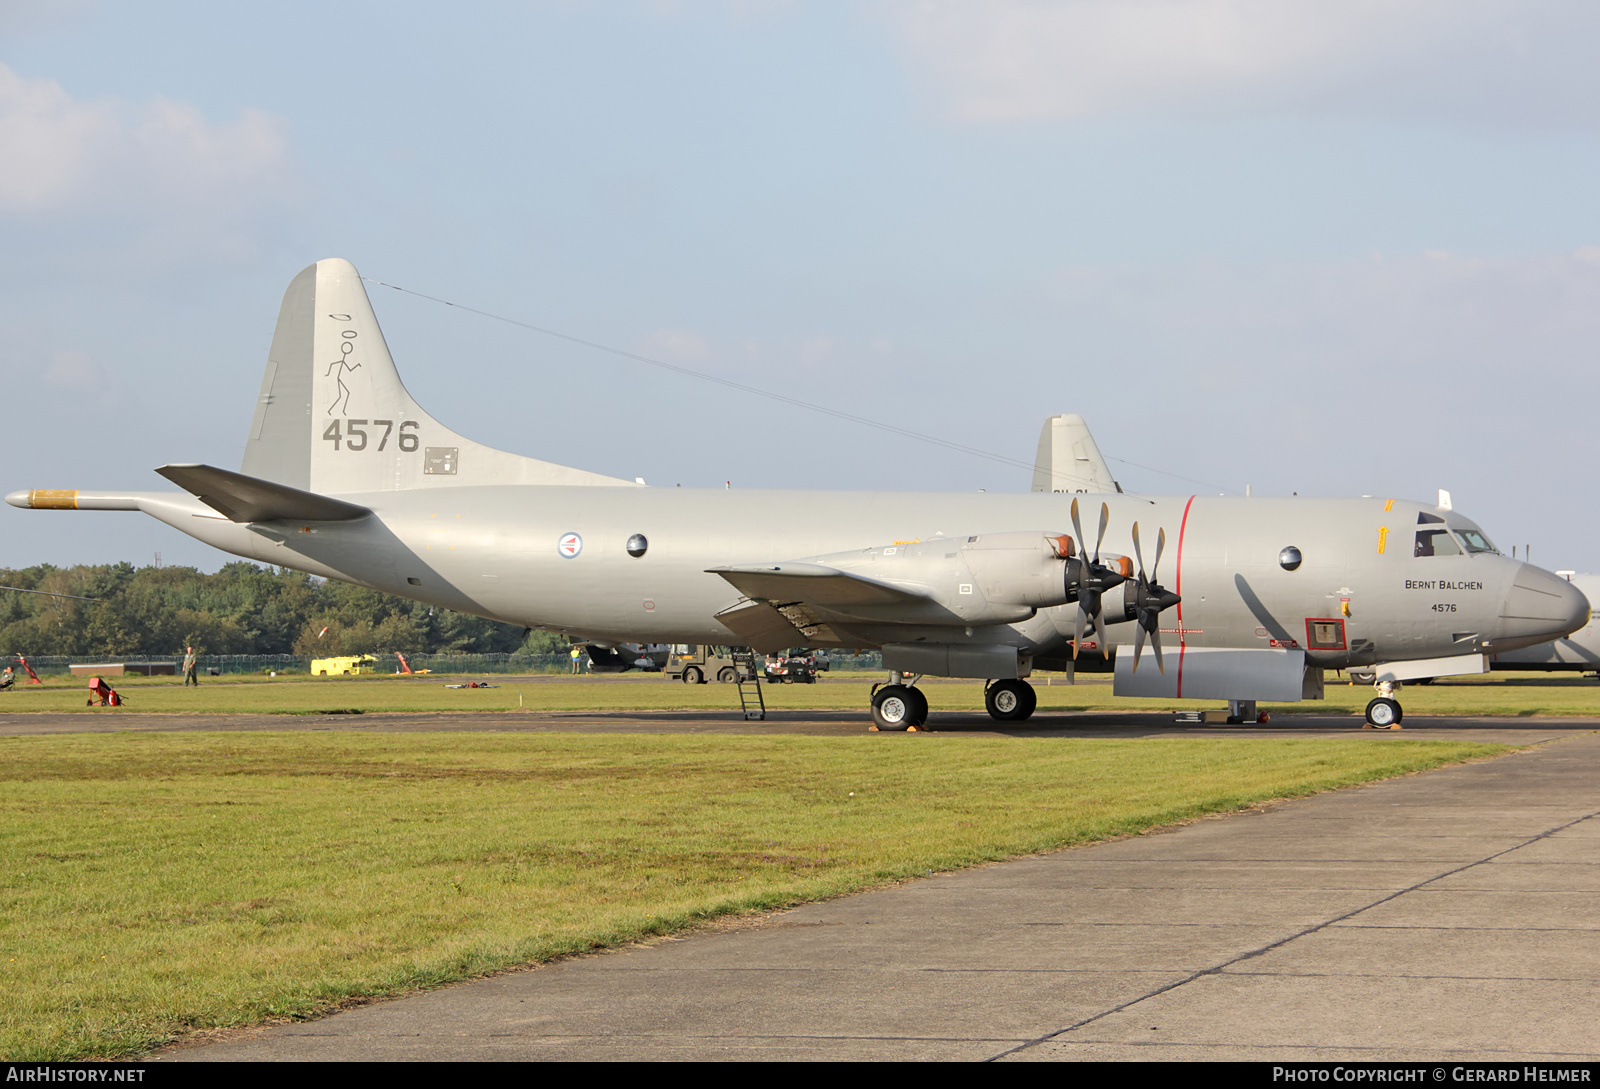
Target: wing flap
[768, 628]
[761, 627]
[243, 498]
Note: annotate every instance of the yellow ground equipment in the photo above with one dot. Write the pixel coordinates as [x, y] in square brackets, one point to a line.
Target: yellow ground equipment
[334, 667]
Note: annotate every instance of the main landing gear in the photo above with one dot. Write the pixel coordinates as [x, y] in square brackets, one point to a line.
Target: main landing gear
[1010, 701]
[900, 705]
[1384, 713]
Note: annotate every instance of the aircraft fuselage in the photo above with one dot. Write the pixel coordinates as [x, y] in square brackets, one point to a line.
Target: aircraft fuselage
[556, 557]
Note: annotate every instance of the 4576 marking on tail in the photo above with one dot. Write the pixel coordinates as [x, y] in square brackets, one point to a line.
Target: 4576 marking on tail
[353, 435]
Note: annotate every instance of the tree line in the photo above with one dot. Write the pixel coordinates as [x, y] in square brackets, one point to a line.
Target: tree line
[242, 609]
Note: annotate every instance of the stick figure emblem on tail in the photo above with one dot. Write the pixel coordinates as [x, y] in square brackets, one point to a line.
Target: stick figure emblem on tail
[341, 400]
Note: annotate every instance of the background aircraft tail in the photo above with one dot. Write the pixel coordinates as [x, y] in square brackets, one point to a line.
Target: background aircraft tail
[1069, 459]
[333, 416]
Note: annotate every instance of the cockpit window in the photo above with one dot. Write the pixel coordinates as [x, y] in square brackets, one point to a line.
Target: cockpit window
[1436, 542]
[1475, 541]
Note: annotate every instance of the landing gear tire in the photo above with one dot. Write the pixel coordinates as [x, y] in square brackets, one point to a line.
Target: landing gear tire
[898, 707]
[1384, 713]
[727, 675]
[1010, 701]
[693, 675]
[921, 701]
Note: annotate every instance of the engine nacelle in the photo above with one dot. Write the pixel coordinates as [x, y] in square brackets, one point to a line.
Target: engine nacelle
[1019, 568]
[985, 578]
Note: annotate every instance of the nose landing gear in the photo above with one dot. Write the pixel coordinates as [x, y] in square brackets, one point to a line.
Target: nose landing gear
[1384, 713]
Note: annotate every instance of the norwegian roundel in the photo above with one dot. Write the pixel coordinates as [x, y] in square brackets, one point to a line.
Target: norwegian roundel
[570, 545]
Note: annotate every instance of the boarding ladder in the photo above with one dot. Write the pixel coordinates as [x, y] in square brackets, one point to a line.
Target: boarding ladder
[751, 702]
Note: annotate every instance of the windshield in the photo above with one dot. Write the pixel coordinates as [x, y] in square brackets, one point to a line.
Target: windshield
[1435, 542]
[1474, 540]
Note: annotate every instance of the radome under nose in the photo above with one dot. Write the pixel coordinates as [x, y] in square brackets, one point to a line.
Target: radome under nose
[1539, 606]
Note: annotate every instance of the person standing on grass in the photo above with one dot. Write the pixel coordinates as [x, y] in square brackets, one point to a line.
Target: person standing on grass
[191, 662]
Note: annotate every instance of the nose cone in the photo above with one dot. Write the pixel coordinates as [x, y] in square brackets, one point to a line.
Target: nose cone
[1539, 607]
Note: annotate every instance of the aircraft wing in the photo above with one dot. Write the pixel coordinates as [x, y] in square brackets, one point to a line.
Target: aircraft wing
[788, 602]
[813, 583]
[249, 499]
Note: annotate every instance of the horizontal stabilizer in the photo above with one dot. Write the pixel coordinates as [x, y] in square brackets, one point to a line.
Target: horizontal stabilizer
[813, 584]
[247, 499]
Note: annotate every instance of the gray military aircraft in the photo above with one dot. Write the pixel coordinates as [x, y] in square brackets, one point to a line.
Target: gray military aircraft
[344, 476]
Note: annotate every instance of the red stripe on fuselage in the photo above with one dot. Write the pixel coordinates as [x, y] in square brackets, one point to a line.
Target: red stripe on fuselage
[1178, 589]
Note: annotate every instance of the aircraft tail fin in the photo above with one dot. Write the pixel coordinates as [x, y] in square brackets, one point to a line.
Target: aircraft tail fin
[1069, 459]
[334, 418]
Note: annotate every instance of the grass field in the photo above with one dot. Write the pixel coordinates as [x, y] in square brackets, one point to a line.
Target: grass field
[155, 883]
[1494, 694]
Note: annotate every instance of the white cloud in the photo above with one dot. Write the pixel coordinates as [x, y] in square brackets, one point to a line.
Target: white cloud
[1010, 60]
[155, 160]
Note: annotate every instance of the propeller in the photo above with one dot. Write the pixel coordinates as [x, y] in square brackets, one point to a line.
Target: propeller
[1089, 578]
[1150, 598]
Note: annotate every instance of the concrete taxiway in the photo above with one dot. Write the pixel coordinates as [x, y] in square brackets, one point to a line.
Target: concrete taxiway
[1449, 915]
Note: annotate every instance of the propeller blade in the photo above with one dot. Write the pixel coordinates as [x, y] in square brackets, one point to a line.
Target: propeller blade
[1137, 554]
[1077, 634]
[1138, 645]
[1161, 543]
[1155, 645]
[1100, 631]
[1077, 530]
[1105, 518]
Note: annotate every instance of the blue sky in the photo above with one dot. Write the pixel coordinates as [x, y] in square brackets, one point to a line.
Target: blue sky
[1328, 248]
